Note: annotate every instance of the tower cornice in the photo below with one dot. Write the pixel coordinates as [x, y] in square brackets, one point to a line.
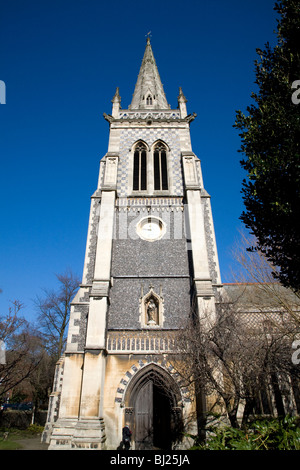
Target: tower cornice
[146, 115]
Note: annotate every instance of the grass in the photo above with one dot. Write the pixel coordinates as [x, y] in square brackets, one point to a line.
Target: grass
[12, 442]
[10, 445]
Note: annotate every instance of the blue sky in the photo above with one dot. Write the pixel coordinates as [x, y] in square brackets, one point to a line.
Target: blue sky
[61, 61]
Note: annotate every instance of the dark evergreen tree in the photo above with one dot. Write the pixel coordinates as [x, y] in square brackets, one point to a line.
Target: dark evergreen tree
[270, 135]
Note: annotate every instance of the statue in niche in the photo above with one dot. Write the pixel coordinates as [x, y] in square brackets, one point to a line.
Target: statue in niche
[152, 312]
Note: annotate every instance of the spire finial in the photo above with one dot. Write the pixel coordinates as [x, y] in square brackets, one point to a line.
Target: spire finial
[148, 35]
[181, 96]
[117, 97]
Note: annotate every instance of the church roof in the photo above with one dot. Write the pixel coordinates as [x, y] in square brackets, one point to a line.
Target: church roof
[149, 92]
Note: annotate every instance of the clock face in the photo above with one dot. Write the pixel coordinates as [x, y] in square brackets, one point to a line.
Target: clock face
[151, 229]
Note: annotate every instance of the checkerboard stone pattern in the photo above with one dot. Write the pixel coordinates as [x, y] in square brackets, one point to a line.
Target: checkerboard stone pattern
[130, 136]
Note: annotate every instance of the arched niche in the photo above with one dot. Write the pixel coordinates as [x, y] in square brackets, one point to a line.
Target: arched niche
[151, 310]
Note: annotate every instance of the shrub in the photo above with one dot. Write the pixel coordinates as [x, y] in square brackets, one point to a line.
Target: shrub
[266, 434]
[35, 429]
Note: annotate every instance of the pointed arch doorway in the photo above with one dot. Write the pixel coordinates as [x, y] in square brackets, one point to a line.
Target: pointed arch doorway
[153, 410]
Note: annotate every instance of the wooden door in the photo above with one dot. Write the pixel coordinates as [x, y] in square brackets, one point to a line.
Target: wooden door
[144, 417]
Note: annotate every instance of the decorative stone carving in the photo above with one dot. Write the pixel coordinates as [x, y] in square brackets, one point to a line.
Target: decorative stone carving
[152, 312]
[151, 309]
[149, 114]
[190, 174]
[110, 176]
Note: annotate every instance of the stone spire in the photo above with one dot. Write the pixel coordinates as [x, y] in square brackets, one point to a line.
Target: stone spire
[149, 92]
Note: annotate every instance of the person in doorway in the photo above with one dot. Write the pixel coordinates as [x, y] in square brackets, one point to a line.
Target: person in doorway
[126, 437]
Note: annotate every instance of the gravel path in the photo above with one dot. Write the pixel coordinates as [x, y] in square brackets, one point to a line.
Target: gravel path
[32, 443]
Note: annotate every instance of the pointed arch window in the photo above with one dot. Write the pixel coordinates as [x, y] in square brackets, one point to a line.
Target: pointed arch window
[140, 167]
[160, 167]
[149, 100]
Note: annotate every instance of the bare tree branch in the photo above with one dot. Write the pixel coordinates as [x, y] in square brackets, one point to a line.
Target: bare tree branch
[54, 312]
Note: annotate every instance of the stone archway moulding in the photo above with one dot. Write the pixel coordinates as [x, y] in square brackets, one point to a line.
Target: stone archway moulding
[163, 364]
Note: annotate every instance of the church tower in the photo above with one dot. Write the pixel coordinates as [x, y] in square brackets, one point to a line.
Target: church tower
[150, 258]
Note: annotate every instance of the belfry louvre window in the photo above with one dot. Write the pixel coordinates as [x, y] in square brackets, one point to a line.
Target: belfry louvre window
[160, 167]
[140, 168]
